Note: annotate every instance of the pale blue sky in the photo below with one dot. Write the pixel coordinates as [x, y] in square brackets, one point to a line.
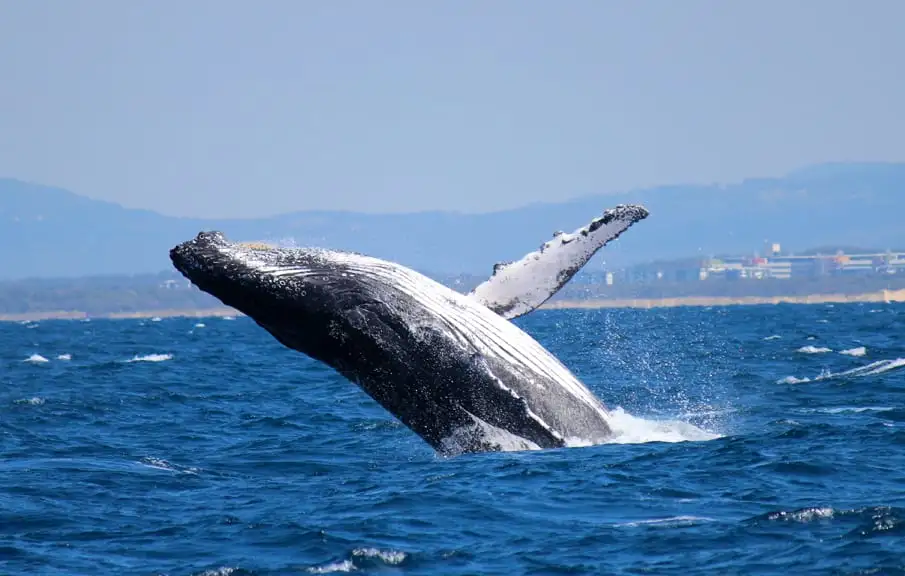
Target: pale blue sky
[224, 108]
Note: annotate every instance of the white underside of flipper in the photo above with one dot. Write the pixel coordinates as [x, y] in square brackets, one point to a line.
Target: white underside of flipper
[519, 287]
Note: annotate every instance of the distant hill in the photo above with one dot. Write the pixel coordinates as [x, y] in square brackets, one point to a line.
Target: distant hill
[49, 232]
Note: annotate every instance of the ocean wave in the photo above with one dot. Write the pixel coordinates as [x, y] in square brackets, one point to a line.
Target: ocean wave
[856, 352]
[813, 350]
[629, 429]
[362, 559]
[872, 369]
[151, 358]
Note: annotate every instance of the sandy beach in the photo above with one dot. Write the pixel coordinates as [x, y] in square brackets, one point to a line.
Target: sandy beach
[879, 296]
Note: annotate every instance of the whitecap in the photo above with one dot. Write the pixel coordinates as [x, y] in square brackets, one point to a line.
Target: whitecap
[151, 358]
[391, 557]
[803, 516]
[773, 337]
[670, 521]
[224, 571]
[792, 380]
[859, 351]
[34, 401]
[853, 409]
[813, 350]
[36, 359]
[64, 357]
[344, 566]
[628, 429]
[872, 369]
[161, 464]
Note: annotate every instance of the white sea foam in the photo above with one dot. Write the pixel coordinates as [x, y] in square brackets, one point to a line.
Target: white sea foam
[813, 350]
[803, 516]
[387, 557]
[36, 359]
[152, 358]
[344, 566]
[859, 351]
[64, 357]
[628, 429]
[872, 369]
[671, 521]
[792, 380]
[851, 409]
[224, 571]
[161, 464]
[391, 557]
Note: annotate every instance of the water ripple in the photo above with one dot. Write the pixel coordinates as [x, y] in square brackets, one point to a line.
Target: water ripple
[139, 447]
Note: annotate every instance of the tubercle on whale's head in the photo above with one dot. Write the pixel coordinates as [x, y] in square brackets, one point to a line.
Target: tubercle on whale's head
[208, 258]
[238, 273]
[192, 258]
[292, 293]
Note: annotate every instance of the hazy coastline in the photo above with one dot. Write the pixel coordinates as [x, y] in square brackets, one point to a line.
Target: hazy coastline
[882, 296]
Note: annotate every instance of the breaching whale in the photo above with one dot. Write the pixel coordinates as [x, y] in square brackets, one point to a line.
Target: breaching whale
[450, 366]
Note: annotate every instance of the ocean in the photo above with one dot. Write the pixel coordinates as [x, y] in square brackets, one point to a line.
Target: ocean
[750, 440]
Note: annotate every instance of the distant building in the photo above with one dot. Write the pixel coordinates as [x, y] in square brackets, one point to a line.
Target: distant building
[775, 265]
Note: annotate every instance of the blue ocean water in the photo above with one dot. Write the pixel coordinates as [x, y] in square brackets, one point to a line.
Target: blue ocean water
[751, 440]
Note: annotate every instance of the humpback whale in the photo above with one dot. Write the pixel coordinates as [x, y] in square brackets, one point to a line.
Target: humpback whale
[452, 367]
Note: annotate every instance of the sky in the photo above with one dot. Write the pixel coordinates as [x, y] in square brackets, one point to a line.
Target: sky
[219, 108]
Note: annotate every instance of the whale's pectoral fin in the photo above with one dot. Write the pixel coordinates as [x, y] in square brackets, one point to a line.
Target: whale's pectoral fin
[516, 288]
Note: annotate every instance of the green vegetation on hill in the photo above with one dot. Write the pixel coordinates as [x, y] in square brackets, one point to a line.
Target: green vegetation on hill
[767, 288]
[101, 295]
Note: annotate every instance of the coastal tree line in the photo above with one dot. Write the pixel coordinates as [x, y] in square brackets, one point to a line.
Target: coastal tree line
[101, 295]
[765, 288]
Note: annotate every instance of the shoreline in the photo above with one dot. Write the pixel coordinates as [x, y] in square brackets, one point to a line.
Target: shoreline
[882, 296]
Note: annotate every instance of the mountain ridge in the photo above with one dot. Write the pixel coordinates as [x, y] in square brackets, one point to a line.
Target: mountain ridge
[48, 231]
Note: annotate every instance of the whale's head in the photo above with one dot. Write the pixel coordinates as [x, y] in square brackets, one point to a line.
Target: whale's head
[293, 293]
